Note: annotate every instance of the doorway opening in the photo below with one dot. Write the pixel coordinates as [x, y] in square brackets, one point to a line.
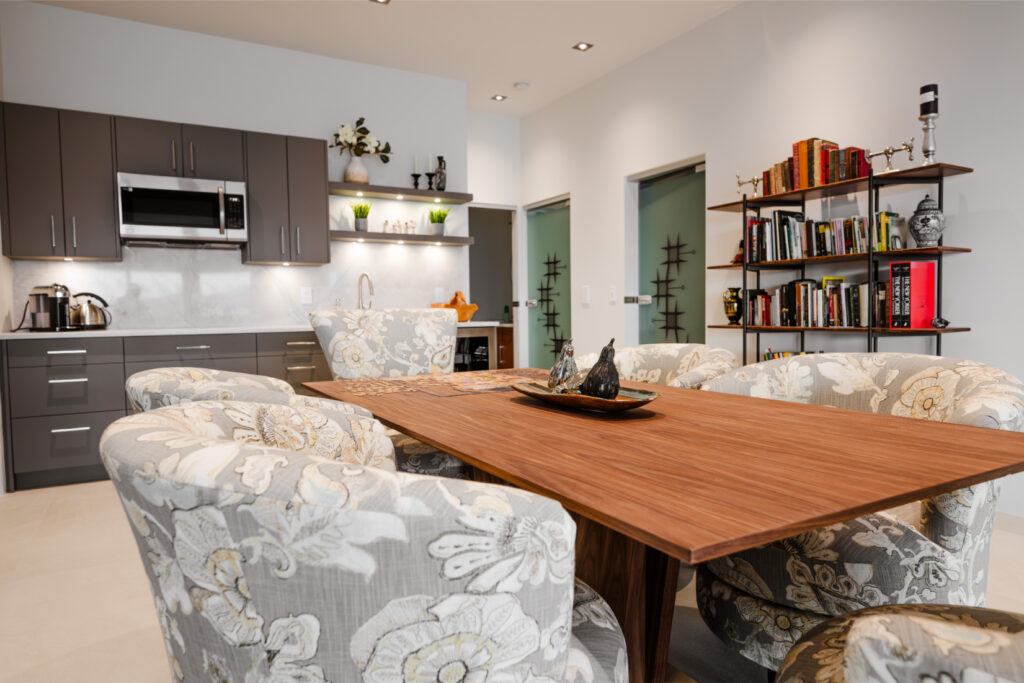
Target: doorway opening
[490, 288]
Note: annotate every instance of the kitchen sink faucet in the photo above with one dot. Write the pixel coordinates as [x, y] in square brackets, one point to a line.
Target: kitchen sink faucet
[367, 304]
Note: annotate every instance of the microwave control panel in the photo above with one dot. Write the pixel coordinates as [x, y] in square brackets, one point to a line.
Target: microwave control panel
[234, 212]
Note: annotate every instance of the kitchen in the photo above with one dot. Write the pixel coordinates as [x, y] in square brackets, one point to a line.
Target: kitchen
[255, 121]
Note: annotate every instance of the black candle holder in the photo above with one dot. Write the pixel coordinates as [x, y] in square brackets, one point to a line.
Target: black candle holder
[415, 181]
[430, 180]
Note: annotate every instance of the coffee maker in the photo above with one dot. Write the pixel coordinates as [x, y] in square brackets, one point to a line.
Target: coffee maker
[49, 308]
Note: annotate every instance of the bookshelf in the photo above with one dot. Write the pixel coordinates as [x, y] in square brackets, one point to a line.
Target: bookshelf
[933, 174]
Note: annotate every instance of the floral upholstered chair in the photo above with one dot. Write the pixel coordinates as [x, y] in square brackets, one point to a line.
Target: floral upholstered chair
[397, 342]
[763, 600]
[281, 545]
[675, 365]
[150, 389]
[919, 643]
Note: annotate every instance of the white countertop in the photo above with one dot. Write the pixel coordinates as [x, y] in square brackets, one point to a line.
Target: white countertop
[162, 332]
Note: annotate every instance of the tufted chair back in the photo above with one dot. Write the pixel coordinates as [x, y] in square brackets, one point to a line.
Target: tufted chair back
[158, 387]
[387, 342]
[281, 545]
[915, 386]
[676, 365]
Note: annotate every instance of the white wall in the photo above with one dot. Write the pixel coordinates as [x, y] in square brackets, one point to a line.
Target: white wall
[63, 58]
[743, 87]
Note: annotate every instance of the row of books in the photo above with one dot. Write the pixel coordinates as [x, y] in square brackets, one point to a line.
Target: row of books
[772, 355]
[788, 235]
[907, 300]
[808, 303]
[815, 162]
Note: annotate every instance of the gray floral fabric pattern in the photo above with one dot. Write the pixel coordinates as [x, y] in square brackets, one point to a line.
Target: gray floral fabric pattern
[393, 343]
[170, 386]
[387, 342]
[910, 643]
[675, 365]
[762, 600]
[280, 547]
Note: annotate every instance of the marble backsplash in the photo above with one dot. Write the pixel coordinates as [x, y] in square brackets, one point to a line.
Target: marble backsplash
[183, 288]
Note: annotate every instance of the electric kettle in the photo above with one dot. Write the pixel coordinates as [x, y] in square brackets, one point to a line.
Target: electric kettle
[90, 315]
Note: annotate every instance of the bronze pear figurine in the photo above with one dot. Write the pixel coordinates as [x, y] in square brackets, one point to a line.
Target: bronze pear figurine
[603, 379]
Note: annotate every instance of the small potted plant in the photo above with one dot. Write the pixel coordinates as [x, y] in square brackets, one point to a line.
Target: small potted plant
[360, 210]
[358, 140]
[437, 219]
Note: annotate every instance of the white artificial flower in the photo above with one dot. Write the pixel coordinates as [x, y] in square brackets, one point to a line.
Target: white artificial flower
[347, 134]
[371, 142]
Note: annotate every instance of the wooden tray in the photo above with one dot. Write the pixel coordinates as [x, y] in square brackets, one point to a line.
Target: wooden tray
[626, 400]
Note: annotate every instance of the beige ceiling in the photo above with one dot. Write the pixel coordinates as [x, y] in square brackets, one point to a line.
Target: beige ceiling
[489, 44]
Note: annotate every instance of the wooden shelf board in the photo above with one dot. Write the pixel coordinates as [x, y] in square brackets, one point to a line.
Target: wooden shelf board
[726, 266]
[883, 330]
[925, 174]
[395, 238]
[406, 193]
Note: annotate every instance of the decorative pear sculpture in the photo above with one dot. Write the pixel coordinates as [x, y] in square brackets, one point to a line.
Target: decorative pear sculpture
[564, 368]
[603, 379]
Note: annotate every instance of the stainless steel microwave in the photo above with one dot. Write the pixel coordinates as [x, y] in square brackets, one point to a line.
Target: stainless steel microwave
[181, 209]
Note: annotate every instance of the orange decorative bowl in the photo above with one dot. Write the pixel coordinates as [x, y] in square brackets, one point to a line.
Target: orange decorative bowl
[465, 311]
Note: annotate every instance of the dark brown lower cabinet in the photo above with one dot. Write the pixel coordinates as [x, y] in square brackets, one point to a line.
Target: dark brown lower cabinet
[60, 394]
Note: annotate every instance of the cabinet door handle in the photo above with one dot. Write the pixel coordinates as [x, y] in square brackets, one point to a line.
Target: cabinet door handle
[74, 233]
[174, 156]
[298, 240]
[300, 343]
[65, 352]
[191, 157]
[282, 239]
[53, 234]
[67, 430]
[197, 347]
[69, 380]
[300, 367]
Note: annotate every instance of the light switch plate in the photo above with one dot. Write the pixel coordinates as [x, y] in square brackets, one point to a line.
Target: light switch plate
[585, 295]
[306, 296]
[612, 295]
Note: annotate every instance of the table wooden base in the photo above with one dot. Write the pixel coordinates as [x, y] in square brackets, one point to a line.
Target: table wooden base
[639, 584]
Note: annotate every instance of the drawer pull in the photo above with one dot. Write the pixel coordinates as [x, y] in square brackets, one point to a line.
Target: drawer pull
[302, 343]
[66, 352]
[70, 380]
[301, 367]
[197, 347]
[70, 429]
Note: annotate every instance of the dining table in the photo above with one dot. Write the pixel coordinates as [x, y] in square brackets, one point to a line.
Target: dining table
[689, 477]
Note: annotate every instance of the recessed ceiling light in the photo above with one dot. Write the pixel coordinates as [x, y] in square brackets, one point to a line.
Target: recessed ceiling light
[67, 258]
[285, 264]
[437, 244]
[399, 197]
[499, 98]
[380, 2]
[401, 241]
[520, 85]
[582, 47]
[437, 201]
[359, 194]
[360, 240]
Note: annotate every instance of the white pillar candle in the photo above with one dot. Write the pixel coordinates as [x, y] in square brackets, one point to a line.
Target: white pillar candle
[415, 164]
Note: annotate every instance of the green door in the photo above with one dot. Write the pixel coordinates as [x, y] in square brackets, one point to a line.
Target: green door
[550, 321]
[672, 260]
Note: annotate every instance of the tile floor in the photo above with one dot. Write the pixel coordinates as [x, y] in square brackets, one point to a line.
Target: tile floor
[75, 605]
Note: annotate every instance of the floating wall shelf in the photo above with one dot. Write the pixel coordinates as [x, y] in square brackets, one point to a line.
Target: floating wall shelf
[399, 193]
[396, 238]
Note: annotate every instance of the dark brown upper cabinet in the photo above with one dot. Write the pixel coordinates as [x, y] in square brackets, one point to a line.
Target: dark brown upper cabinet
[286, 187]
[87, 172]
[149, 147]
[60, 184]
[213, 153]
[266, 188]
[307, 200]
[163, 148]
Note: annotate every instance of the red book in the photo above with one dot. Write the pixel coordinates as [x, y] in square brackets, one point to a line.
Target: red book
[919, 301]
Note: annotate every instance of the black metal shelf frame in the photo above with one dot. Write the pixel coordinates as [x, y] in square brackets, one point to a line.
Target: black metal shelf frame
[875, 184]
